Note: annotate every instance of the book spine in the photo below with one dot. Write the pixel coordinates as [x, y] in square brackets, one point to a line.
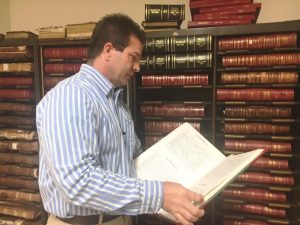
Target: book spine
[199, 4]
[174, 80]
[16, 107]
[260, 78]
[255, 209]
[269, 163]
[17, 158]
[236, 8]
[16, 67]
[65, 53]
[258, 112]
[23, 212]
[62, 68]
[19, 171]
[164, 12]
[201, 17]
[50, 82]
[263, 178]
[213, 23]
[248, 145]
[255, 94]
[255, 194]
[16, 94]
[13, 195]
[157, 45]
[19, 146]
[172, 110]
[255, 128]
[243, 222]
[287, 40]
[200, 42]
[13, 81]
[261, 60]
[17, 182]
[165, 127]
[18, 134]
[16, 120]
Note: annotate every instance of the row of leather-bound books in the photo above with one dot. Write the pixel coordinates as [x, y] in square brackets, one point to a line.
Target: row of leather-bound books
[20, 201]
[258, 109]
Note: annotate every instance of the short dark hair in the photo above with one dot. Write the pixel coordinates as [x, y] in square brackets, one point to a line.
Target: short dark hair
[114, 28]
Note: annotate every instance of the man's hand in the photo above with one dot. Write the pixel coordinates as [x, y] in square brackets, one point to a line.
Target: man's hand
[179, 202]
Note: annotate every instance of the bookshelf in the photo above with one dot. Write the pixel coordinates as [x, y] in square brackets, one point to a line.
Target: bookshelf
[270, 119]
[20, 92]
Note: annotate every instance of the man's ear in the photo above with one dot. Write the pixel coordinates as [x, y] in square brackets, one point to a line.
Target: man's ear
[108, 50]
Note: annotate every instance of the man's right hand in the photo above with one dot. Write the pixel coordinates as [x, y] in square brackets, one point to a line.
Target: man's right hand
[179, 200]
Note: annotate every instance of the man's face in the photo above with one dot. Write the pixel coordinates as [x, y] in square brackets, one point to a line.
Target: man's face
[126, 63]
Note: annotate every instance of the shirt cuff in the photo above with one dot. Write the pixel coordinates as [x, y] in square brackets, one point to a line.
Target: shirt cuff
[152, 194]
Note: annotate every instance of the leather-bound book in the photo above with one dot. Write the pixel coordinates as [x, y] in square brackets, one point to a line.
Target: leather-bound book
[19, 196]
[18, 170]
[65, 53]
[160, 12]
[19, 35]
[17, 158]
[25, 212]
[17, 134]
[16, 67]
[16, 52]
[18, 182]
[20, 146]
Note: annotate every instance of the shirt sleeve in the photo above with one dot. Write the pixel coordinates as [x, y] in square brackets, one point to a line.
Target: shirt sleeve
[69, 137]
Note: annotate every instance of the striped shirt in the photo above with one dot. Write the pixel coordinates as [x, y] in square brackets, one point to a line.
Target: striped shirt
[87, 147]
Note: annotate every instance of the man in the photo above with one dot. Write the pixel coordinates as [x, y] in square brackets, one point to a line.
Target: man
[88, 143]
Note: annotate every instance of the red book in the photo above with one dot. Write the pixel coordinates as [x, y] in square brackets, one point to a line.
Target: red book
[214, 23]
[66, 53]
[227, 7]
[201, 4]
[224, 17]
[62, 68]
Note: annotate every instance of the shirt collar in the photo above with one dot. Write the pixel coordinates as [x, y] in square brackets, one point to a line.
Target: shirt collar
[101, 81]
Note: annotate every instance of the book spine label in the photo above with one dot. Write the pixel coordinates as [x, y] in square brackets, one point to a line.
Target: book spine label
[164, 12]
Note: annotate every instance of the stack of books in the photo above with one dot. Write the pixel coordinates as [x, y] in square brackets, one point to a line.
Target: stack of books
[163, 17]
[211, 13]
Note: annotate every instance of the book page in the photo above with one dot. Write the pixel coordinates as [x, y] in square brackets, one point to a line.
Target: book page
[177, 156]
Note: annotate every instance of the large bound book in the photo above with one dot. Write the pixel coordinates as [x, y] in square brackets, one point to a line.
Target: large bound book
[18, 134]
[16, 67]
[221, 22]
[15, 52]
[19, 35]
[21, 146]
[186, 157]
[16, 195]
[65, 53]
[200, 4]
[159, 12]
[26, 212]
[16, 107]
[52, 32]
[19, 171]
[161, 24]
[17, 158]
[80, 31]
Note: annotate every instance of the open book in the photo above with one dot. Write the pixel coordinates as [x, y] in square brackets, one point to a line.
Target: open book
[186, 157]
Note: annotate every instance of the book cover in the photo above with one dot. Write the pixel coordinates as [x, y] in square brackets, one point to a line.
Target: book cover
[187, 157]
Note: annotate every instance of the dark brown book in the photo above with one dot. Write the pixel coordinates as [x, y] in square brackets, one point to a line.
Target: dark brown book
[65, 53]
[50, 81]
[165, 126]
[21, 146]
[17, 120]
[26, 212]
[17, 158]
[173, 110]
[267, 41]
[258, 112]
[161, 12]
[255, 128]
[174, 80]
[265, 178]
[15, 52]
[19, 196]
[62, 68]
[248, 145]
[16, 93]
[255, 94]
[255, 194]
[260, 78]
[14, 81]
[19, 35]
[20, 183]
[262, 60]
[17, 134]
[19, 170]
[161, 24]
[16, 107]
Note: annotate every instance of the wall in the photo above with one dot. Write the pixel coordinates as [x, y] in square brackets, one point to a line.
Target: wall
[4, 16]
[33, 14]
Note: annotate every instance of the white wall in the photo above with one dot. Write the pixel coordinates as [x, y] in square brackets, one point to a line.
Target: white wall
[33, 14]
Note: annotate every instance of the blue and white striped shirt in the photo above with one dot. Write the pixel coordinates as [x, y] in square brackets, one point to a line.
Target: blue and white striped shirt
[87, 146]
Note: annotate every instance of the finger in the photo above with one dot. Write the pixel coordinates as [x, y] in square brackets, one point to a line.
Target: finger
[182, 220]
[195, 197]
